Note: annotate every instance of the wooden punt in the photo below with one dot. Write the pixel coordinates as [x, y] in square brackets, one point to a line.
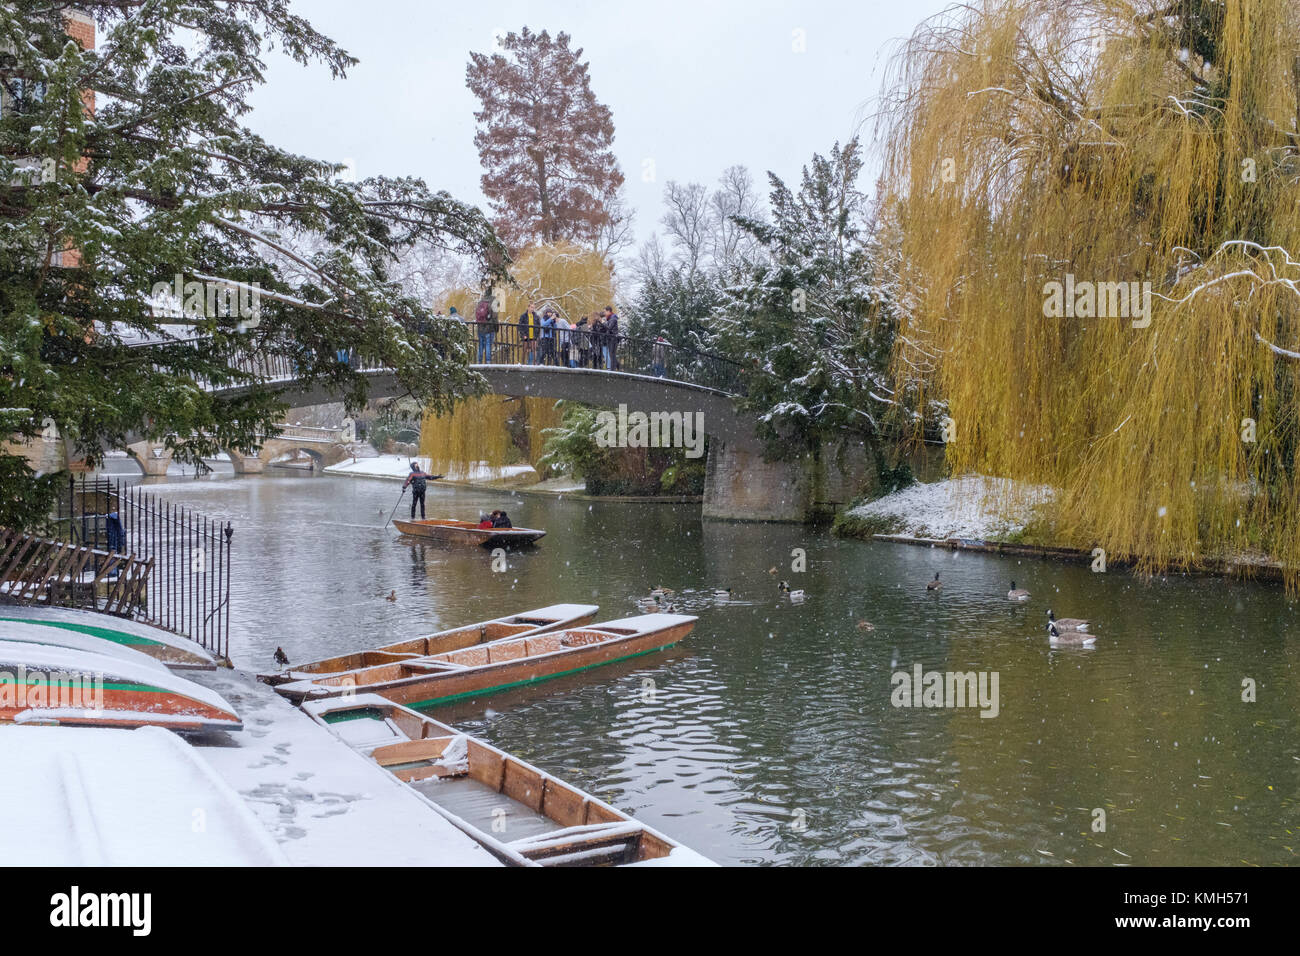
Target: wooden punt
[523, 815]
[44, 684]
[468, 532]
[537, 621]
[172, 649]
[439, 678]
[27, 633]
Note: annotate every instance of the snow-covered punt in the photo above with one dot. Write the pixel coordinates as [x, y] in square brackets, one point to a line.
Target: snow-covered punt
[468, 532]
[44, 684]
[515, 662]
[537, 621]
[547, 822]
[32, 633]
[172, 649]
[94, 797]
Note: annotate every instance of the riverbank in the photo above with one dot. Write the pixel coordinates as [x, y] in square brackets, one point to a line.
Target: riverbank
[512, 478]
[998, 516]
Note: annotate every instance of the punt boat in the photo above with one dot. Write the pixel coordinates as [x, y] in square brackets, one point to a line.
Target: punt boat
[537, 621]
[521, 814]
[468, 532]
[172, 649]
[26, 633]
[514, 662]
[44, 684]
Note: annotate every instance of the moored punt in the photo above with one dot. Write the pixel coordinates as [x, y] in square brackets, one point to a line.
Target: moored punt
[468, 532]
[44, 684]
[481, 788]
[537, 621]
[28, 633]
[172, 649]
[438, 678]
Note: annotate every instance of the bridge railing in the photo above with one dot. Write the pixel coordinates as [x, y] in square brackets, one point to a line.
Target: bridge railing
[511, 344]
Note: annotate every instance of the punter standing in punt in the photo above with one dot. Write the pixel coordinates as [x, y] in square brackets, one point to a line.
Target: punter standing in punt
[418, 481]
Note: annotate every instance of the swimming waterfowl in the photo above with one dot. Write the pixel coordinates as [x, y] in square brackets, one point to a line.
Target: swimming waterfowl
[722, 594]
[1067, 623]
[1017, 594]
[934, 585]
[660, 592]
[1076, 638]
[795, 595]
[392, 595]
[866, 626]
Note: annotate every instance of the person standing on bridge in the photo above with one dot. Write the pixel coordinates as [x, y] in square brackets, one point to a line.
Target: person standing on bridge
[547, 351]
[562, 340]
[659, 355]
[530, 326]
[418, 480]
[582, 341]
[611, 339]
[597, 341]
[485, 319]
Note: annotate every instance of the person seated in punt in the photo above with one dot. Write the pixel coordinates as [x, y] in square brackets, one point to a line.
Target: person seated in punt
[502, 520]
[487, 521]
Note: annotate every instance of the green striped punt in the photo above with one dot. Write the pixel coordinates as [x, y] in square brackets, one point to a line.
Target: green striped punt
[117, 637]
[434, 701]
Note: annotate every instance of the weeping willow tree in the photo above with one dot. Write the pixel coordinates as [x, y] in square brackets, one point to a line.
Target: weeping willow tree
[499, 430]
[1099, 211]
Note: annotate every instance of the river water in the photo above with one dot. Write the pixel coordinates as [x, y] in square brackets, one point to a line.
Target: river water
[769, 735]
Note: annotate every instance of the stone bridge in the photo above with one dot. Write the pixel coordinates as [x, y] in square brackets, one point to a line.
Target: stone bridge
[325, 446]
[648, 376]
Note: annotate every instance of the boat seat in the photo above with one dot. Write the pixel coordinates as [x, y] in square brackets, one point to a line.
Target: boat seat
[579, 638]
[432, 666]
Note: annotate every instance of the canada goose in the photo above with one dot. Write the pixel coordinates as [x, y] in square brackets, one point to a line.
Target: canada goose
[1067, 623]
[281, 658]
[866, 626]
[934, 585]
[392, 595]
[1077, 638]
[1017, 594]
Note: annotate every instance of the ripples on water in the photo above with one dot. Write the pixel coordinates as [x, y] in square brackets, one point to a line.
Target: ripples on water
[768, 735]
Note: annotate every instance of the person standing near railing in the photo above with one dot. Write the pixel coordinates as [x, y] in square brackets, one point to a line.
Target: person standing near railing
[562, 340]
[530, 326]
[659, 356]
[598, 342]
[486, 323]
[547, 351]
[582, 341]
[611, 339]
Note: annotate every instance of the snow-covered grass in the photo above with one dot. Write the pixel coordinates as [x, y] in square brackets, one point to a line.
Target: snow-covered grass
[969, 507]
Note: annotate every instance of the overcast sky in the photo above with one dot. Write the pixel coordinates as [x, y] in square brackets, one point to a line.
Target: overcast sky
[694, 85]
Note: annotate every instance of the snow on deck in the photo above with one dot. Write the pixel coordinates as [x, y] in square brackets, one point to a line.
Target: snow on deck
[325, 804]
[969, 507]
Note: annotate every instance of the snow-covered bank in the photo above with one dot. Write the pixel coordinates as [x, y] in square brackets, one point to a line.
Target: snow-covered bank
[968, 507]
[399, 466]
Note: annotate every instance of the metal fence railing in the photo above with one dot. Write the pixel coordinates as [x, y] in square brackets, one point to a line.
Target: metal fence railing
[186, 586]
